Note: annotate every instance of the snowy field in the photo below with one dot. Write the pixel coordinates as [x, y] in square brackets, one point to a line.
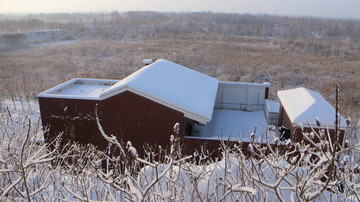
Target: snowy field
[20, 110]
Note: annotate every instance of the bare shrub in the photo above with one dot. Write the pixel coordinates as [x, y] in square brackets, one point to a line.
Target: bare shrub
[25, 163]
[282, 171]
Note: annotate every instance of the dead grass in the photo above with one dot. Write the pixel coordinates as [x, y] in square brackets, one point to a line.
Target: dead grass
[286, 63]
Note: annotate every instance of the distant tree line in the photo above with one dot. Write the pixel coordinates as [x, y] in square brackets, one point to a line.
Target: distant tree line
[147, 24]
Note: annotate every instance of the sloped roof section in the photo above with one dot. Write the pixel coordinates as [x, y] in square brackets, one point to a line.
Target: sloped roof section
[305, 106]
[174, 86]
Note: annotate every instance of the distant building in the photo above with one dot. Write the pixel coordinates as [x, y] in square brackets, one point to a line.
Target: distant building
[144, 107]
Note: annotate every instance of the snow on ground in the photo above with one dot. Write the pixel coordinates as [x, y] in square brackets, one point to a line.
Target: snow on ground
[227, 179]
[54, 43]
[15, 117]
[235, 125]
[19, 109]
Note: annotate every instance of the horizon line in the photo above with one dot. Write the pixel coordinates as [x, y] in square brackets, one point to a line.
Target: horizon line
[178, 12]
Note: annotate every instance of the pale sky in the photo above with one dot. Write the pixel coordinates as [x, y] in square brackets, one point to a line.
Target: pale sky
[318, 8]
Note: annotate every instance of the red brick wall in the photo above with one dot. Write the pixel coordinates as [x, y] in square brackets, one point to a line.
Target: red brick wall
[128, 116]
[139, 120]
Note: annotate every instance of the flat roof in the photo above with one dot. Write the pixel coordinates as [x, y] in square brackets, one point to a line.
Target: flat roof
[235, 125]
[79, 88]
[265, 84]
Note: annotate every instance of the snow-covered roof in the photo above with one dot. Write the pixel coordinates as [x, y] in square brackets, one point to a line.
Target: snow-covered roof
[163, 81]
[305, 106]
[78, 88]
[174, 86]
[265, 84]
[235, 125]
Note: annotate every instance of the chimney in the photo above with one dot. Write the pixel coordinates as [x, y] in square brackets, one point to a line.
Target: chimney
[148, 61]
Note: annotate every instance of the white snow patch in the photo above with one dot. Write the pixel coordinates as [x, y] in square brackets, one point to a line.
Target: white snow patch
[79, 89]
[240, 188]
[84, 90]
[235, 125]
[272, 106]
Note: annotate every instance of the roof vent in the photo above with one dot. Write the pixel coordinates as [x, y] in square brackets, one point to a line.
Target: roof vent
[148, 61]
